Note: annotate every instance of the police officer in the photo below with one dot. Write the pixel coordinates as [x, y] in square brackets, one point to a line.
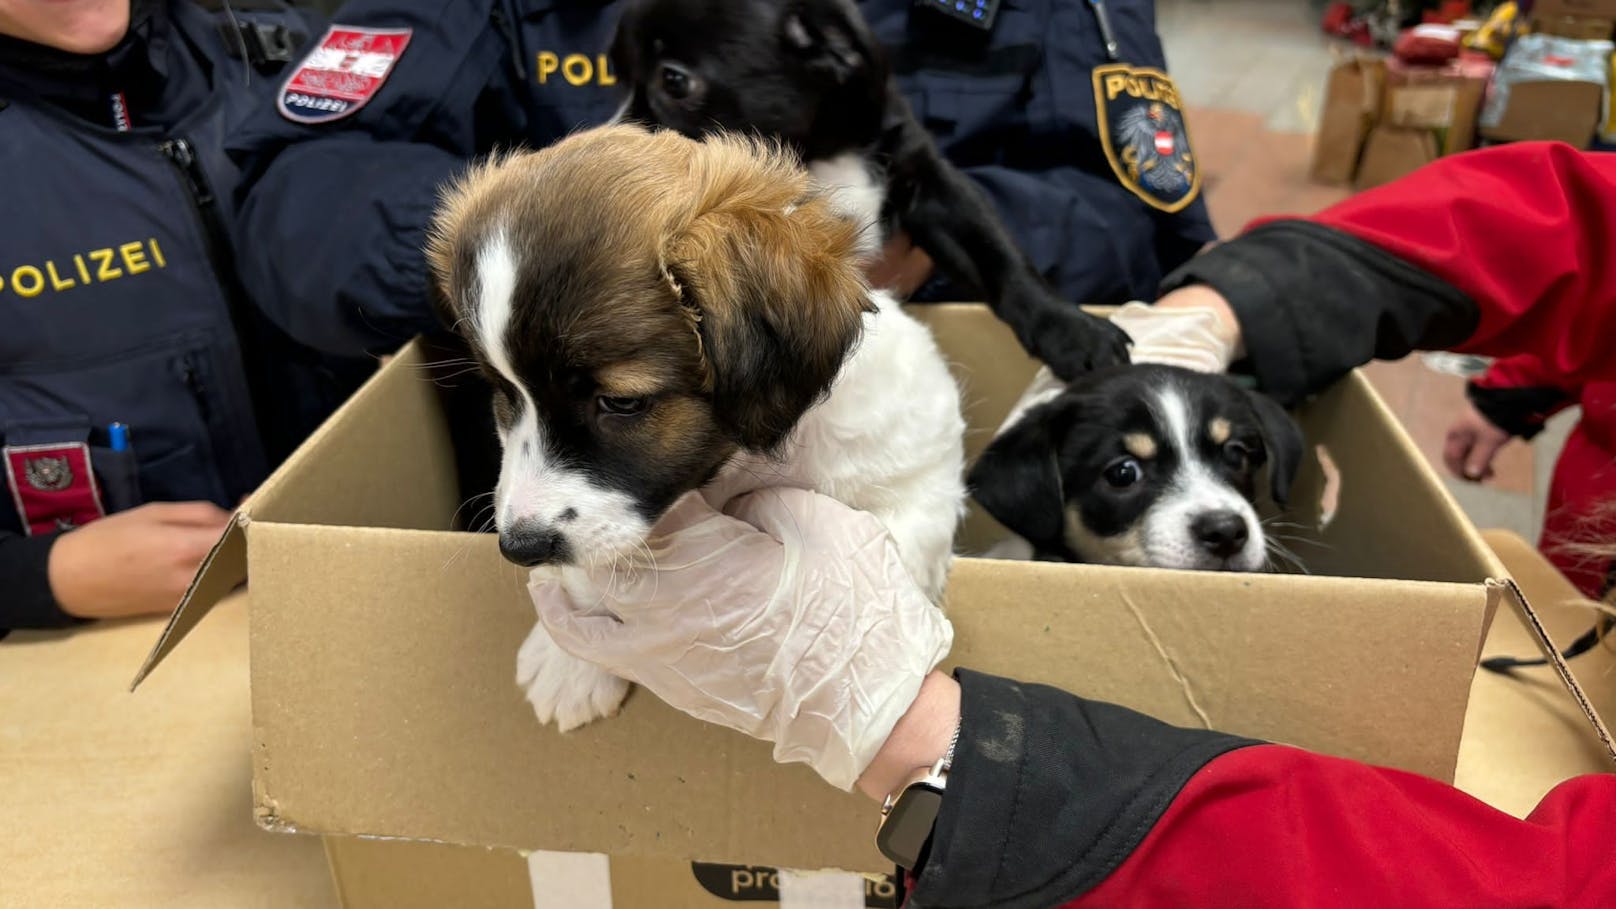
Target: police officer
[130, 361]
[1061, 110]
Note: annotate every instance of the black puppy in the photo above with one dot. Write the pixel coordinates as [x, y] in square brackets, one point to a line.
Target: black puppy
[1142, 465]
[811, 73]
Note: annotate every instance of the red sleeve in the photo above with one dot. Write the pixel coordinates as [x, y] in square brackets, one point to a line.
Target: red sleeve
[1526, 230]
[1525, 371]
[1275, 826]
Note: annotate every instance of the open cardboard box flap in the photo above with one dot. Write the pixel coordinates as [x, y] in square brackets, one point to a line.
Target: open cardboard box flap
[406, 431]
[1592, 702]
[383, 643]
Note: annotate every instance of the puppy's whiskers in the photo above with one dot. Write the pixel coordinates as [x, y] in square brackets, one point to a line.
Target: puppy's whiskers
[483, 528]
[481, 495]
[1278, 550]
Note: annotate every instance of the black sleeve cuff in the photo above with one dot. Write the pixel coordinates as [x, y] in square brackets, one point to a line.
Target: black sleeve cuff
[1049, 793]
[1517, 411]
[27, 601]
[1315, 303]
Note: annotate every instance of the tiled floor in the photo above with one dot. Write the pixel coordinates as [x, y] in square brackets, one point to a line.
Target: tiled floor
[1251, 123]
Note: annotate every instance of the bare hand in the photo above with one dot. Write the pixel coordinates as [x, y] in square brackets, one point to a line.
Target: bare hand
[136, 562]
[1472, 443]
[902, 268]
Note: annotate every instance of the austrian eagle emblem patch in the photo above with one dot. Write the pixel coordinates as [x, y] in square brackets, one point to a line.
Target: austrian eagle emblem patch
[1141, 124]
[48, 474]
[341, 74]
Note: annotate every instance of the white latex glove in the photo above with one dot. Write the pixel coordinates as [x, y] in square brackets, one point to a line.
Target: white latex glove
[1189, 337]
[793, 621]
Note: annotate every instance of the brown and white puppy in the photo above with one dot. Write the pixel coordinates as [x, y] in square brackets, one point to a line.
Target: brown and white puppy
[658, 315]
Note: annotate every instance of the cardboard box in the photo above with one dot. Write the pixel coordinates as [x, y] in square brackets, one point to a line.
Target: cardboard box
[1573, 9]
[1549, 111]
[1548, 88]
[1392, 153]
[1580, 28]
[1352, 99]
[387, 719]
[1523, 736]
[1443, 100]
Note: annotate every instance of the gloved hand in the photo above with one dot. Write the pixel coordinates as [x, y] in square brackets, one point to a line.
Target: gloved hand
[793, 621]
[1190, 336]
[1183, 333]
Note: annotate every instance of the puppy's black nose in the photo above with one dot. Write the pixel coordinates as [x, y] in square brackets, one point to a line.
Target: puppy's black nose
[528, 545]
[1222, 533]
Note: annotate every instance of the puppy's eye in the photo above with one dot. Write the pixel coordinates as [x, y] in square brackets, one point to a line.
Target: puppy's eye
[676, 82]
[1124, 473]
[621, 407]
[1237, 455]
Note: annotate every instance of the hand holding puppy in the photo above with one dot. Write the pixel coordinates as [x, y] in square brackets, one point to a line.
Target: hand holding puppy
[1184, 329]
[793, 621]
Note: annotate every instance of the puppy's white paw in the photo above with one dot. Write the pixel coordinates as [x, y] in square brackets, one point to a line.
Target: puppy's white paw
[563, 689]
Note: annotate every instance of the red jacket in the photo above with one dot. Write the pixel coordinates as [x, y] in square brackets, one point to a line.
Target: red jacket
[1528, 232]
[1274, 826]
[1054, 800]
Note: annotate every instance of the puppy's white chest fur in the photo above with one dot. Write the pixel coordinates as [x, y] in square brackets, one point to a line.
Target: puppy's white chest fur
[889, 439]
[857, 192]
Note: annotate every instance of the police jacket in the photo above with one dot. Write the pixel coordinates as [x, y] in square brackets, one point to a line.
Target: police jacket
[129, 358]
[1072, 146]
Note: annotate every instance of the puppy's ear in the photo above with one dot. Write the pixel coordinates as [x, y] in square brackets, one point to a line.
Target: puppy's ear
[451, 248]
[446, 246]
[832, 37]
[1017, 478]
[624, 52]
[772, 280]
[1283, 439]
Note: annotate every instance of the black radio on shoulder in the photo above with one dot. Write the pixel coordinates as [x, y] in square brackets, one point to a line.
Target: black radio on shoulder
[978, 13]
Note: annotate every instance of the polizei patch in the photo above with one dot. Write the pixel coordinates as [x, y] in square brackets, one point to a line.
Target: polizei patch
[341, 74]
[1141, 125]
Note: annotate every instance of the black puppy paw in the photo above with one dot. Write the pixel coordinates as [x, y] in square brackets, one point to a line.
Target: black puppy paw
[1073, 342]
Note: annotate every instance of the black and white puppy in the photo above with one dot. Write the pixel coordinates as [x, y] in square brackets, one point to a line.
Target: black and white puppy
[810, 73]
[1147, 465]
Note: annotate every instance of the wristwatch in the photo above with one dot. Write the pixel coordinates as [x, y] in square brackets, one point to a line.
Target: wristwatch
[909, 812]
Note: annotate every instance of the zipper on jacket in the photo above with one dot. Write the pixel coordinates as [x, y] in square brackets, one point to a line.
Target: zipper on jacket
[199, 391]
[503, 25]
[220, 251]
[183, 155]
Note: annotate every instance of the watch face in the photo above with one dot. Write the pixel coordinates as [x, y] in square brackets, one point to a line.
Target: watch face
[909, 824]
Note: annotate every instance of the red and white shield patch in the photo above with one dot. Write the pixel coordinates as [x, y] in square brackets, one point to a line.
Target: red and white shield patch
[342, 73]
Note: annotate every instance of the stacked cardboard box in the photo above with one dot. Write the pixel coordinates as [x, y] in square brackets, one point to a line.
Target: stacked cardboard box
[1552, 84]
[1385, 118]
[1584, 20]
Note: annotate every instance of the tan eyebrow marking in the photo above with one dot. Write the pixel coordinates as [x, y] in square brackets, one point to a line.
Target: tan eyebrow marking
[629, 379]
[1139, 445]
[1218, 430]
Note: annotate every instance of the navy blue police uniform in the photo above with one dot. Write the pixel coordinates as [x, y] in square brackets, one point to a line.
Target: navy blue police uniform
[1073, 128]
[132, 368]
[1084, 152]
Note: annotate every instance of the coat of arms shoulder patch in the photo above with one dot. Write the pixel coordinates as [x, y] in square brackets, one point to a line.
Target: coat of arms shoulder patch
[1140, 118]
